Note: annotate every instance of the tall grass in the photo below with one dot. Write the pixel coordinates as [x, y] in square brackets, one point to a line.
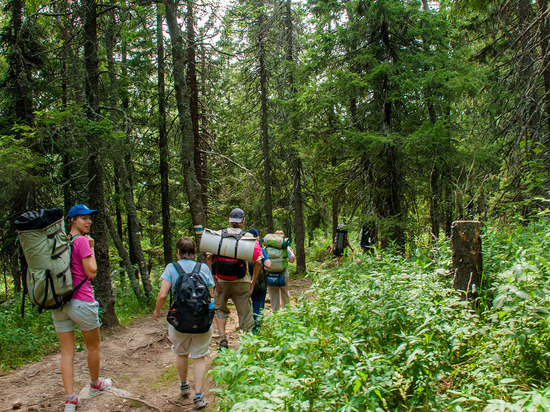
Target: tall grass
[388, 333]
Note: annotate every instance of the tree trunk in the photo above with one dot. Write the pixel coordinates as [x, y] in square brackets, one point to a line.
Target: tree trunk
[163, 146]
[467, 258]
[435, 190]
[296, 166]
[133, 226]
[96, 192]
[544, 33]
[192, 185]
[120, 167]
[19, 91]
[264, 119]
[123, 253]
[193, 88]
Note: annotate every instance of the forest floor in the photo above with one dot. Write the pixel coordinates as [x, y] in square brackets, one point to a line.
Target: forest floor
[138, 359]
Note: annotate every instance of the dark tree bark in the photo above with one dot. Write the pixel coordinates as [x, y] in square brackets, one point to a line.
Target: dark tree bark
[192, 185]
[264, 132]
[467, 258]
[134, 227]
[335, 207]
[96, 191]
[120, 167]
[123, 253]
[18, 74]
[163, 146]
[297, 196]
[544, 33]
[193, 88]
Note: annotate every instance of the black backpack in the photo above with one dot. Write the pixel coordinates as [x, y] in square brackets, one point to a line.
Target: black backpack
[190, 311]
[261, 286]
[341, 241]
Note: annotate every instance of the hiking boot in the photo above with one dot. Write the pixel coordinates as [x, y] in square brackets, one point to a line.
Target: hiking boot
[103, 386]
[224, 344]
[71, 406]
[199, 401]
[185, 389]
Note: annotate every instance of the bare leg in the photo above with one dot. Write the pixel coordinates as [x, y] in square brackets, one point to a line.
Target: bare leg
[66, 342]
[199, 367]
[182, 363]
[91, 338]
[221, 326]
[285, 296]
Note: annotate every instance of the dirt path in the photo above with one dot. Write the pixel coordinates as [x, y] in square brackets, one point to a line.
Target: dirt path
[138, 359]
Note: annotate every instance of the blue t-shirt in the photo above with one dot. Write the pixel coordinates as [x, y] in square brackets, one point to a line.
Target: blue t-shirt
[170, 273]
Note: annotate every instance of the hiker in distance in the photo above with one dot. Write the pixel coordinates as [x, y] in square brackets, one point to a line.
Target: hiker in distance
[82, 309]
[185, 345]
[340, 243]
[233, 279]
[280, 255]
[260, 288]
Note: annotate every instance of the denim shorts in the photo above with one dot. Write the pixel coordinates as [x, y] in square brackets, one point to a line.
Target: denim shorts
[82, 313]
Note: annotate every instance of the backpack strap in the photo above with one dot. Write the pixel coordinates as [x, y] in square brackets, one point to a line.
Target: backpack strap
[238, 236]
[196, 270]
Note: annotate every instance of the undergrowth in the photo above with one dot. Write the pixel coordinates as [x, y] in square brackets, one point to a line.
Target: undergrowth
[30, 338]
[388, 333]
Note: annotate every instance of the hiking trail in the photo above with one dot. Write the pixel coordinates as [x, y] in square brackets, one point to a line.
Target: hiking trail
[138, 359]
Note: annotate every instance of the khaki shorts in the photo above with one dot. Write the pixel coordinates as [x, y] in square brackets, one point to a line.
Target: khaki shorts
[196, 345]
[239, 293]
[82, 313]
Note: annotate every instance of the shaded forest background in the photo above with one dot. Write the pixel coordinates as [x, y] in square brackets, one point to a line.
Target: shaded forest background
[397, 116]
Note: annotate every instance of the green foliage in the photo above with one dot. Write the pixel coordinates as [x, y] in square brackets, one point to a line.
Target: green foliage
[28, 339]
[127, 307]
[389, 333]
[24, 340]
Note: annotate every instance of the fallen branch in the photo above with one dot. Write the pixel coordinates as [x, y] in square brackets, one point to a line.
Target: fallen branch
[137, 400]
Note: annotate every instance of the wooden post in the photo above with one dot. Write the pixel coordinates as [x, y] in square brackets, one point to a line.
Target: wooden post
[467, 258]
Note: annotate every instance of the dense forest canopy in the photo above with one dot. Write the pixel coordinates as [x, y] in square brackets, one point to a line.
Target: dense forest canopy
[397, 115]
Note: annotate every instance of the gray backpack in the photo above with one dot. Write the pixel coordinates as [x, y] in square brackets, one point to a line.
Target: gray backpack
[47, 250]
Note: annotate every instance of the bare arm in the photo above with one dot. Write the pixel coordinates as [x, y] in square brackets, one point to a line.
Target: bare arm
[161, 297]
[292, 258]
[209, 263]
[88, 263]
[257, 267]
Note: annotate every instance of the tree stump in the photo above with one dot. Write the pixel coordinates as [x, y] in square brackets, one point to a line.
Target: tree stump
[467, 258]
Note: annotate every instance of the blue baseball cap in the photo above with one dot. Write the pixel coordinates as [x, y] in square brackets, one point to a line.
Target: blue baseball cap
[254, 232]
[81, 209]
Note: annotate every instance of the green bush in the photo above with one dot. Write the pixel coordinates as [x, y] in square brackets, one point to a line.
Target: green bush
[30, 338]
[390, 334]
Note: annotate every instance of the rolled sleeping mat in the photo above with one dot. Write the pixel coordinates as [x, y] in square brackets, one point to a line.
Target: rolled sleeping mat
[210, 242]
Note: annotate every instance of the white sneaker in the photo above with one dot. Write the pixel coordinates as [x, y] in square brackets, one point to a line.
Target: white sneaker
[71, 406]
[103, 386]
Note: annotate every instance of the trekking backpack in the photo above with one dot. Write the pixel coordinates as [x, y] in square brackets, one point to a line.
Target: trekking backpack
[190, 310]
[229, 268]
[276, 248]
[261, 286]
[340, 241]
[47, 249]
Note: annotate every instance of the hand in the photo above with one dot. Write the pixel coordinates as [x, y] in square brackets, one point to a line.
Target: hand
[91, 240]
